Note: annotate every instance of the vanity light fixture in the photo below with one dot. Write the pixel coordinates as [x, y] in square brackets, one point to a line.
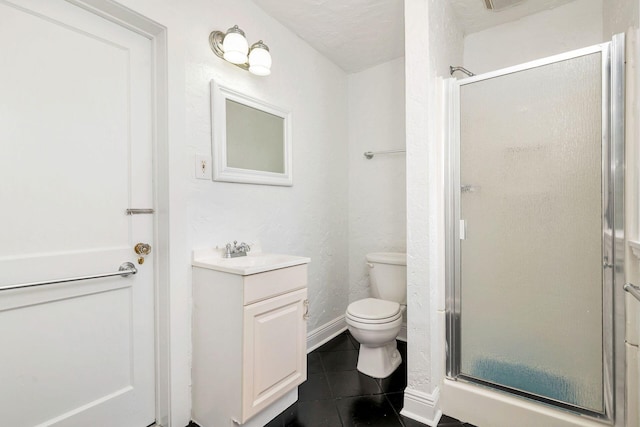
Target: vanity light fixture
[232, 46]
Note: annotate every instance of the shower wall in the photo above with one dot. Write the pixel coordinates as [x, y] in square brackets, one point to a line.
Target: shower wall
[434, 41]
[568, 27]
[576, 25]
[618, 16]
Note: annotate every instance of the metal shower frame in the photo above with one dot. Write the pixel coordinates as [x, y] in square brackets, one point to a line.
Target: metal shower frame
[613, 228]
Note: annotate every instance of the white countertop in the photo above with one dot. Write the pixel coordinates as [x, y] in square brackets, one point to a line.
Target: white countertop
[252, 263]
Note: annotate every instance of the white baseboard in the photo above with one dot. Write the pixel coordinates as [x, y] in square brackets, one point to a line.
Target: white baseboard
[421, 406]
[326, 332]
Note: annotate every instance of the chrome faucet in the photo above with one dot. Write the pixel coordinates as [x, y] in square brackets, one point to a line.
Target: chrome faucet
[236, 250]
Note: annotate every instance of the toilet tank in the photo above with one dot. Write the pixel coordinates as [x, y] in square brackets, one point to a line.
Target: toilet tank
[388, 275]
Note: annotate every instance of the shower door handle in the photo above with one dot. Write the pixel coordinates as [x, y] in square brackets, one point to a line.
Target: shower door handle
[468, 188]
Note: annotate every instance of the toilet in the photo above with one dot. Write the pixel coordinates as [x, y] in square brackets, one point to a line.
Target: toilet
[375, 322]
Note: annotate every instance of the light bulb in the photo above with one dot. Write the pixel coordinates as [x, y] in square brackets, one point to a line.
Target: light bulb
[260, 59]
[235, 46]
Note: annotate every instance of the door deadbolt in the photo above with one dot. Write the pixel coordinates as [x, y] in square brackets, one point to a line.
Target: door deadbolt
[142, 249]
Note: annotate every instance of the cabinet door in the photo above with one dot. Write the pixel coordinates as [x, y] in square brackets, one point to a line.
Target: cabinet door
[275, 356]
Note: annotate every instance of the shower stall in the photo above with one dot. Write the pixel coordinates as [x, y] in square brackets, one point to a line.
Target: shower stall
[534, 224]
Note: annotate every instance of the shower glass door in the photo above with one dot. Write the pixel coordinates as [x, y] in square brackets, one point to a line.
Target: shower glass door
[529, 225]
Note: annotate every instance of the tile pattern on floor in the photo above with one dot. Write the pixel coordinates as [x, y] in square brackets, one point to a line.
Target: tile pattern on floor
[337, 395]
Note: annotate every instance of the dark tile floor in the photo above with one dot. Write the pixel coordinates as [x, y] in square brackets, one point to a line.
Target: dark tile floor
[336, 394]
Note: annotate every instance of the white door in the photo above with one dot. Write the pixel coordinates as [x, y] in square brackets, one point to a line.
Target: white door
[75, 153]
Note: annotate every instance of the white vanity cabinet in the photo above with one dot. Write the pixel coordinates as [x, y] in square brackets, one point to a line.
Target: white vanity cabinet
[249, 343]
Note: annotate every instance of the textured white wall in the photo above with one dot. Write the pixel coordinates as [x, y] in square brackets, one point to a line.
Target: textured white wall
[377, 187]
[618, 16]
[425, 68]
[418, 88]
[572, 26]
[307, 219]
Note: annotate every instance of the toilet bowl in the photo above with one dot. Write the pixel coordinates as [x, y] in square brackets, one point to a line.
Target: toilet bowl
[376, 322]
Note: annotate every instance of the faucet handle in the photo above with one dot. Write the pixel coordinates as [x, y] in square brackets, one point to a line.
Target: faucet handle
[236, 249]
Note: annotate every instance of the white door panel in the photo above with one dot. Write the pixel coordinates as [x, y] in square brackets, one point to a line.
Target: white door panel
[75, 138]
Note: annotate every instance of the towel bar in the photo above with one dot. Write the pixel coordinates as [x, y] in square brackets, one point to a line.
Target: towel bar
[126, 269]
[369, 154]
[633, 290]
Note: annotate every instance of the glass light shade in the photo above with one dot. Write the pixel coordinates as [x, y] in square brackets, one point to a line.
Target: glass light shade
[235, 46]
[260, 60]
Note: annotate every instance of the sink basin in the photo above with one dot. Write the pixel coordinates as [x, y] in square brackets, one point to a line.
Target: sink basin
[251, 264]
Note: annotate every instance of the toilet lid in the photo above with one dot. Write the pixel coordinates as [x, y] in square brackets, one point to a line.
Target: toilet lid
[373, 309]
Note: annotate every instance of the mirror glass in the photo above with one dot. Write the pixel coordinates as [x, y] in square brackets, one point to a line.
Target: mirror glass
[254, 139]
[251, 139]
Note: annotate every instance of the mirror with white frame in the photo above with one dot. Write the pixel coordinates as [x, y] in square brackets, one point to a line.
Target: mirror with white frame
[251, 139]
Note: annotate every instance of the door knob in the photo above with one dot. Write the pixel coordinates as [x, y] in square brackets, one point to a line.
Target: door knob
[142, 249]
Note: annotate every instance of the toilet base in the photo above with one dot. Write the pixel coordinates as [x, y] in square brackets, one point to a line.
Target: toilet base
[379, 362]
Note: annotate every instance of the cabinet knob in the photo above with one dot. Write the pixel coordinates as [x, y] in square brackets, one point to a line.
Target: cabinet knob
[305, 316]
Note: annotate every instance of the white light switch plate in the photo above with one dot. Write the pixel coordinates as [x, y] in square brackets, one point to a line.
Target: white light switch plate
[203, 167]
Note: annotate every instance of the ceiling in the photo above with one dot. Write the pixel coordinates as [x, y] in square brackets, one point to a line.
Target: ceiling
[473, 16]
[358, 34]
[354, 34]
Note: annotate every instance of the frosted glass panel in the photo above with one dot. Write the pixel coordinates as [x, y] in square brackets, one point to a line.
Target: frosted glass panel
[531, 264]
